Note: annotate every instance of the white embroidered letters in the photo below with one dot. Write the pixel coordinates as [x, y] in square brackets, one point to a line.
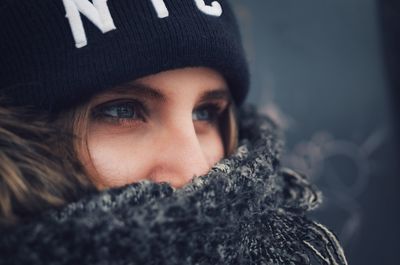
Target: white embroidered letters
[214, 10]
[98, 13]
[160, 8]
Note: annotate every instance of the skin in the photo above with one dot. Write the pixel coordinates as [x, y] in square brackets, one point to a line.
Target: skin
[163, 128]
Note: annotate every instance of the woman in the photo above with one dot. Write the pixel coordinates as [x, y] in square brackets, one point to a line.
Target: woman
[134, 152]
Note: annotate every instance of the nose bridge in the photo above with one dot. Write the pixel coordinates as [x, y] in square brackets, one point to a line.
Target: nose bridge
[180, 155]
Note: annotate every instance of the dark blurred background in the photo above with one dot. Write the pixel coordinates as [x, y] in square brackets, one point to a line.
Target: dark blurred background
[327, 71]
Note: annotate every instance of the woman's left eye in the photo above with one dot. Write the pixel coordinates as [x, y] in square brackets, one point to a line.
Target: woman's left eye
[206, 113]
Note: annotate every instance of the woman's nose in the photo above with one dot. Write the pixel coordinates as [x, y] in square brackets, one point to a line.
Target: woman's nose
[180, 156]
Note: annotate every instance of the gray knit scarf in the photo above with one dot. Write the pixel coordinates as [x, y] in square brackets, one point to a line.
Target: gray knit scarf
[246, 210]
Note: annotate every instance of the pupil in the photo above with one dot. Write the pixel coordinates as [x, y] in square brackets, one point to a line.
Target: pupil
[202, 114]
[125, 111]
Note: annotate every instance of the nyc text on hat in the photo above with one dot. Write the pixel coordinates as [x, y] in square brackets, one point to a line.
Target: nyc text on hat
[99, 14]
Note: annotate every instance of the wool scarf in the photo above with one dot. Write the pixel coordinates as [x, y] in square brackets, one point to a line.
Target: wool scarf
[246, 210]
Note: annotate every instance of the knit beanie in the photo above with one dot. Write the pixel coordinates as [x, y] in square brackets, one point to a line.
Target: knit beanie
[55, 54]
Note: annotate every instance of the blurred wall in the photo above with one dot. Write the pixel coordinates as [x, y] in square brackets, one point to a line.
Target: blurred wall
[317, 68]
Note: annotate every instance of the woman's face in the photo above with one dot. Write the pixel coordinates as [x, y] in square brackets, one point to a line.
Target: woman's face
[163, 127]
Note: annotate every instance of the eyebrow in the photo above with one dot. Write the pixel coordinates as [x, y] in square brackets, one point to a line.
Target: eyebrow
[155, 94]
[141, 90]
[216, 94]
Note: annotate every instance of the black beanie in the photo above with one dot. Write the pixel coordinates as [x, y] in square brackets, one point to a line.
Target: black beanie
[55, 54]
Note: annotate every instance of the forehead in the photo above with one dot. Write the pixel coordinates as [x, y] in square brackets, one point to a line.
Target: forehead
[189, 79]
[179, 84]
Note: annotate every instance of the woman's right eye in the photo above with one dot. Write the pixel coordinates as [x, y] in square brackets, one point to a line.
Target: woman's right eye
[120, 111]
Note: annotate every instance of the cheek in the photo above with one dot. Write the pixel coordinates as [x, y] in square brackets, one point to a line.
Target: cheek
[114, 160]
[212, 146]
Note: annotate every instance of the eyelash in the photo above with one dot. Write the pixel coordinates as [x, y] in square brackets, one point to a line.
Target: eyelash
[140, 111]
[213, 109]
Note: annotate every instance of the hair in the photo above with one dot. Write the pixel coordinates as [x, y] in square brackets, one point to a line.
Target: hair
[40, 159]
[38, 170]
[229, 130]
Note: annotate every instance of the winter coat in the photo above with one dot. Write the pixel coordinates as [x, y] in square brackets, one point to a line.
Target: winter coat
[246, 210]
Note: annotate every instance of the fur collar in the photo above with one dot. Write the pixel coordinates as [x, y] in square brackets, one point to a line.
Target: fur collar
[246, 210]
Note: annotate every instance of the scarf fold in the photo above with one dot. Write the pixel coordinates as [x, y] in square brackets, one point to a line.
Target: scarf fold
[245, 210]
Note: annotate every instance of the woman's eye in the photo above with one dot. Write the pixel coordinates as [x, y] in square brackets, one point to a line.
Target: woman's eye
[117, 111]
[206, 113]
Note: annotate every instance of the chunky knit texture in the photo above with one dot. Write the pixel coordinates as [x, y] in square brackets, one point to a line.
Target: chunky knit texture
[41, 66]
[246, 210]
